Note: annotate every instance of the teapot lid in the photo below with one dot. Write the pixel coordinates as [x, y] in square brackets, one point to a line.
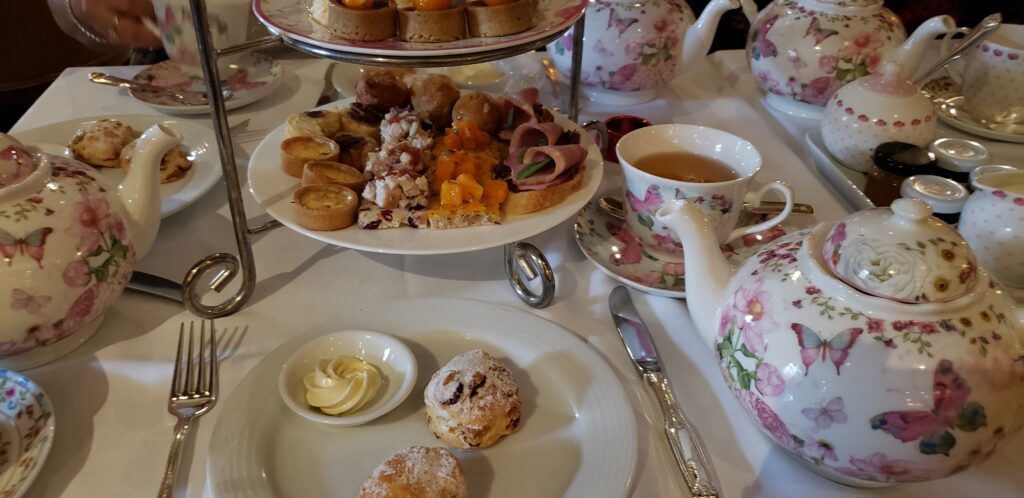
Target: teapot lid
[889, 82]
[901, 253]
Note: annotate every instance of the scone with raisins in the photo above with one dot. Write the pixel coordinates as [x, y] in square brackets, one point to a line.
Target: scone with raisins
[472, 401]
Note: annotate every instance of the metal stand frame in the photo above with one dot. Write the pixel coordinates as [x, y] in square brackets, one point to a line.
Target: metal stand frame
[216, 271]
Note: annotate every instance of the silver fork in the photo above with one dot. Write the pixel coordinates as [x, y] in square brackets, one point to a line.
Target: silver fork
[193, 393]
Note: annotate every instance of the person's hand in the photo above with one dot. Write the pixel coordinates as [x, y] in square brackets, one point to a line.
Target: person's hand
[120, 21]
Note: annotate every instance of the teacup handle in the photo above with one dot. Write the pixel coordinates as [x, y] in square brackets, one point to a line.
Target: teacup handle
[754, 198]
[944, 50]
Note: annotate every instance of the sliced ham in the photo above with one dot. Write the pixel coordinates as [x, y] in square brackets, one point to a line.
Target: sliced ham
[529, 134]
[521, 104]
[563, 158]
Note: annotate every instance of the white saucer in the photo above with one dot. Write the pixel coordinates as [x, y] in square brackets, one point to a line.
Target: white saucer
[26, 432]
[608, 243]
[951, 110]
[252, 77]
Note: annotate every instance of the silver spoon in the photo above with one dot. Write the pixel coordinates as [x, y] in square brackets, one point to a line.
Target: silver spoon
[975, 36]
[613, 206]
[180, 96]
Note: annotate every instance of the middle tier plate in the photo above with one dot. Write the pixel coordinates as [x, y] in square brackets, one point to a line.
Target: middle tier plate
[273, 189]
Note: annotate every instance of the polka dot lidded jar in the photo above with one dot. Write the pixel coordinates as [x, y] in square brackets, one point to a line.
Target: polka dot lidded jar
[873, 110]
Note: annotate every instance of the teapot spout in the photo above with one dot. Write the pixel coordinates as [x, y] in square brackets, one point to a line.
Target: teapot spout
[912, 50]
[706, 270]
[140, 190]
[698, 38]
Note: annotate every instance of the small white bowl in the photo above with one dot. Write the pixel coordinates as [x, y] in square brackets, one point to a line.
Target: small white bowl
[391, 356]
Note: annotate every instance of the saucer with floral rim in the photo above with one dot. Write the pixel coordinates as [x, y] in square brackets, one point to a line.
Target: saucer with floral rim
[608, 243]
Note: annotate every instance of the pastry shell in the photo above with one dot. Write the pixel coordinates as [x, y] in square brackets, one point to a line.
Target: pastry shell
[432, 26]
[297, 151]
[332, 173]
[499, 20]
[325, 207]
[374, 24]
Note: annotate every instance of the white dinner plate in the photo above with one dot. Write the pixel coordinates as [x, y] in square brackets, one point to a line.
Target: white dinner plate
[291, 19]
[273, 188]
[577, 438]
[199, 140]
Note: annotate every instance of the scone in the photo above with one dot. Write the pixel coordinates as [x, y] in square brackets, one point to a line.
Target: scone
[472, 401]
[100, 143]
[173, 167]
[417, 472]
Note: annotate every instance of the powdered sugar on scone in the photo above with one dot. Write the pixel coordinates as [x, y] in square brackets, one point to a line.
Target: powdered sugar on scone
[417, 471]
[472, 401]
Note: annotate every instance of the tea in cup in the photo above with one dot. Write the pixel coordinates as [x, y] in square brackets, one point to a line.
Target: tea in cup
[993, 76]
[710, 168]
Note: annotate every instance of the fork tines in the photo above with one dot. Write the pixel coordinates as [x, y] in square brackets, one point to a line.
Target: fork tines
[195, 373]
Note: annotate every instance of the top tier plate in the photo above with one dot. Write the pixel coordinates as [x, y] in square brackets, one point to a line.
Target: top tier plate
[289, 18]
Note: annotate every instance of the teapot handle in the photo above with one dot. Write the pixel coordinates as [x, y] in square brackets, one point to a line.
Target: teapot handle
[754, 198]
[944, 50]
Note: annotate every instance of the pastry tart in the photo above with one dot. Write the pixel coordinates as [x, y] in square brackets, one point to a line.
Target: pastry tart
[487, 18]
[361, 20]
[325, 207]
[332, 173]
[428, 23]
[296, 151]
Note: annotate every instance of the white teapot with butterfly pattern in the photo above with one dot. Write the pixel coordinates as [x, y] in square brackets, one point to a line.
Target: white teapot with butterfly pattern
[873, 349]
[631, 48]
[69, 241]
[802, 51]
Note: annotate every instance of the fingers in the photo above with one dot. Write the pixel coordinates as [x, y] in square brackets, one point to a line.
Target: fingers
[131, 31]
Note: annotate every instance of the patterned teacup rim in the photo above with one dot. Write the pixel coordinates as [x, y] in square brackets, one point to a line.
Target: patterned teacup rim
[740, 155]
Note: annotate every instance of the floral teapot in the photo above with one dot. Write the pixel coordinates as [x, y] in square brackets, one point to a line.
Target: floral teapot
[874, 350]
[68, 243]
[802, 51]
[631, 48]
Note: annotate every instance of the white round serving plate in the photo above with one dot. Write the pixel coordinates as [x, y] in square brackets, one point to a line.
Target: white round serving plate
[577, 438]
[273, 189]
[26, 432]
[291, 19]
[951, 111]
[250, 78]
[199, 140]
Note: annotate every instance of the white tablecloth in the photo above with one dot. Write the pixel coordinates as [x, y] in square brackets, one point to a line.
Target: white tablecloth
[113, 431]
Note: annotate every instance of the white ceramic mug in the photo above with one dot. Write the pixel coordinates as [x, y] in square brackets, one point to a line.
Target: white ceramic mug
[721, 202]
[229, 20]
[993, 76]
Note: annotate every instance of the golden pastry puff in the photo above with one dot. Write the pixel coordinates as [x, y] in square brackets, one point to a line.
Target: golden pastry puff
[333, 173]
[325, 207]
[297, 151]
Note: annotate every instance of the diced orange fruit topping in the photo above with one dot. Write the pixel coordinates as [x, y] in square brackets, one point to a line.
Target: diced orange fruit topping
[465, 135]
[451, 193]
[495, 192]
[432, 4]
[475, 207]
[358, 4]
[472, 190]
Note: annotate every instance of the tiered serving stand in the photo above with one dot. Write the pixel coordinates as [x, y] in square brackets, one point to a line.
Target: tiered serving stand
[524, 262]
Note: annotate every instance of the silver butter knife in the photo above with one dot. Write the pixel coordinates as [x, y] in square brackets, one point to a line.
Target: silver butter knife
[687, 448]
[329, 93]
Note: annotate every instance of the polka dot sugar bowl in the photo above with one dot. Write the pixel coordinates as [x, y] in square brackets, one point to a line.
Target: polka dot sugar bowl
[873, 110]
[992, 222]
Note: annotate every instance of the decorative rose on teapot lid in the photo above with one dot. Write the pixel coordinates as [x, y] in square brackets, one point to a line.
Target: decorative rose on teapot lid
[900, 253]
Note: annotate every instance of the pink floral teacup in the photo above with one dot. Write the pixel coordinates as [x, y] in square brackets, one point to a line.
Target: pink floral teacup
[228, 26]
[720, 201]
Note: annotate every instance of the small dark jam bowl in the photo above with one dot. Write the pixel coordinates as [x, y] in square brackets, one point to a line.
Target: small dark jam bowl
[618, 127]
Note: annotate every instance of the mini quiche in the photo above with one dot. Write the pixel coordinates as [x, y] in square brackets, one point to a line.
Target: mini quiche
[325, 207]
[330, 172]
[297, 151]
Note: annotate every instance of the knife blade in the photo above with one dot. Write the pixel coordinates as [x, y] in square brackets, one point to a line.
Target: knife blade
[329, 93]
[688, 449]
